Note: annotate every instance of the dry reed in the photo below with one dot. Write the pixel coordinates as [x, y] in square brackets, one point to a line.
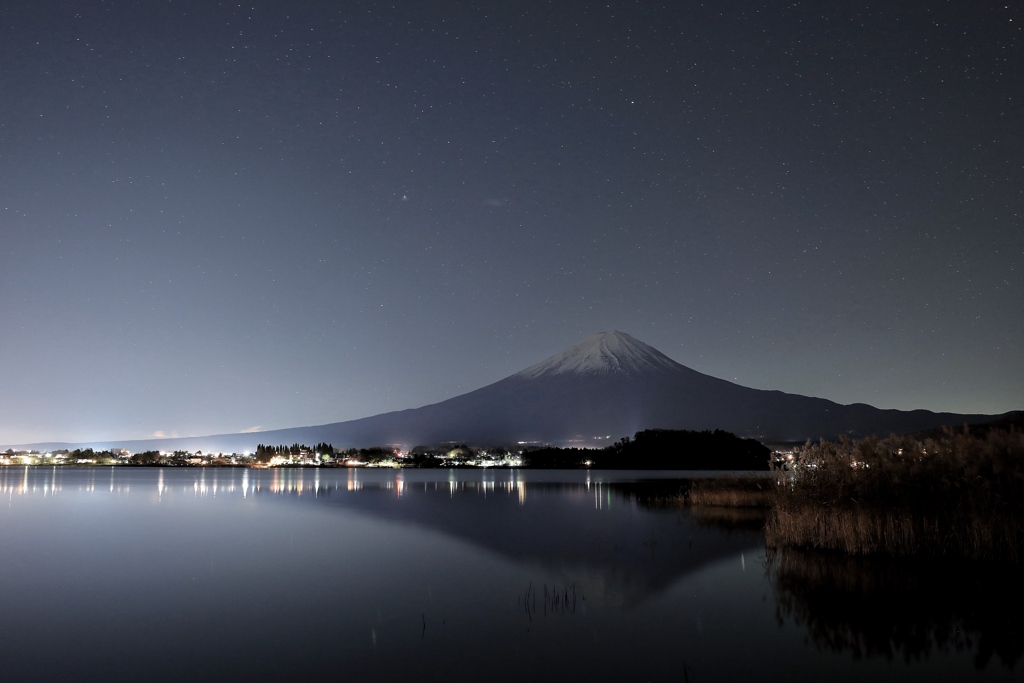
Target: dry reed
[733, 492]
[959, 495]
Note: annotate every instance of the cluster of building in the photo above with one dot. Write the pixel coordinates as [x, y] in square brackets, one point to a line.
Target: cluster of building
[459, 456]
[120, 456]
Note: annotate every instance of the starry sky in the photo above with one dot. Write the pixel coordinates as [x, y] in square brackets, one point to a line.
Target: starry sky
[217, 217]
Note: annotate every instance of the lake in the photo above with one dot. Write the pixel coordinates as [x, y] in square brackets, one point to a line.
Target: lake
[120, 574]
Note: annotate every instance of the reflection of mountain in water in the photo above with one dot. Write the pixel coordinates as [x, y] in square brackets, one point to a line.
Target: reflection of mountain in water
[620, 542]
[595, 535]
[875, 607]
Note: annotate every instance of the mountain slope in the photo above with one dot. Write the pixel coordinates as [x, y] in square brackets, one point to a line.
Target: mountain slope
[608, 386]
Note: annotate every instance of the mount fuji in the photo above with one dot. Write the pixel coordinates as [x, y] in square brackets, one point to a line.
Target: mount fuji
[608, 386]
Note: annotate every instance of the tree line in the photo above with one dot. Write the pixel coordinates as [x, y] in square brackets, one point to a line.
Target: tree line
[265, 452]
[657, 449]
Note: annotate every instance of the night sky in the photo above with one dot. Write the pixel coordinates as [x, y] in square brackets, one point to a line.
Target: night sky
[217, 217]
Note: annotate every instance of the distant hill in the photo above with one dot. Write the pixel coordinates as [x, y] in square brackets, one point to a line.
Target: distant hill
[608, 386]
[1012, 421]
[661, 449]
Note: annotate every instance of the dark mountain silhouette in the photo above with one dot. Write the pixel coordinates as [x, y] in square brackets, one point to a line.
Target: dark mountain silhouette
[1007, 422]
[608, 386]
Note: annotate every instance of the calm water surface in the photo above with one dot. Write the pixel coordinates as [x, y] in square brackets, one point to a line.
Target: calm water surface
[435, 575]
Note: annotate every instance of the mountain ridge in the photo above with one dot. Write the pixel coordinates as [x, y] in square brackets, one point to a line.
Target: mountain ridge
[605, 387]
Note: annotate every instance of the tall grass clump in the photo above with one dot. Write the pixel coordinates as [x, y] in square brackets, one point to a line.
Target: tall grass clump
[955, 495]
[732, 491]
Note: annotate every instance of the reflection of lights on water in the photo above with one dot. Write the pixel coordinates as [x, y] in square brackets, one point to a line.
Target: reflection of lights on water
[214, 482]
[53, 482]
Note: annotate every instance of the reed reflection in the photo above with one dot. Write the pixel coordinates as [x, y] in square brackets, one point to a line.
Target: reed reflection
[873, 607]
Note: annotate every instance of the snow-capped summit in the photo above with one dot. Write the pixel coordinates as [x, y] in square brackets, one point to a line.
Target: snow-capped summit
[603, 354]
